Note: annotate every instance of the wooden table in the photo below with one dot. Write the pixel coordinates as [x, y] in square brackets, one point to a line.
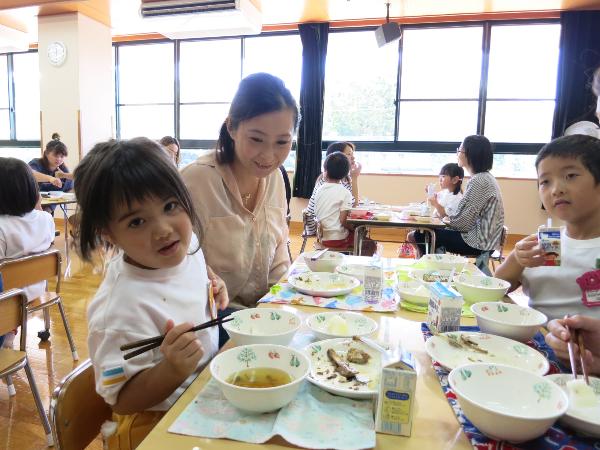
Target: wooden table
[62, 202]
[434, 423]
[361, 227]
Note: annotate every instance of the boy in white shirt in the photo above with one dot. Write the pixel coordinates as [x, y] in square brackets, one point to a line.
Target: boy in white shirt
[333, 202]
[569, 186]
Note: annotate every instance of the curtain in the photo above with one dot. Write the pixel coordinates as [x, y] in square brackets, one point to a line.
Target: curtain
[314, 38]
[579, 56]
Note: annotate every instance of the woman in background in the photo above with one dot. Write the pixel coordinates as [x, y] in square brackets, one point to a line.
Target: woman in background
[173, 148]
[50, 170]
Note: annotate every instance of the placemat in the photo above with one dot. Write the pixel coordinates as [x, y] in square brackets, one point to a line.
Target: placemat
[558, 437]
[284, 293]
[466, 309]
[314, 419]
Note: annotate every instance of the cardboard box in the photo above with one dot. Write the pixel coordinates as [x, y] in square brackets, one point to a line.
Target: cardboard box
[396, 400]
[445, 307]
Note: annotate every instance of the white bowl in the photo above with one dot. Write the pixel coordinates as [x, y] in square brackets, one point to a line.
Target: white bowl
[508, 320]
[262, 326]
[55, 194]
[353, 270]
[413, 292]
[506, 403]
[444, 261]
[430, 276]
[584, 420]
[479, 288]
[323, 284]
[326, 262]
[260, 400]
[328, 325]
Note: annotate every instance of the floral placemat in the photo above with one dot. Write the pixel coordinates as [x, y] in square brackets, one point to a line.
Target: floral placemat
[314, 419]
[284, 293]
[558, 437]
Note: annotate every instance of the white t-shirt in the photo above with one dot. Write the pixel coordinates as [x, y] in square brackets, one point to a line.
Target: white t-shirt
[449, 201]
[133, 304]
[330, 200]
[553, 290]
[21, 236]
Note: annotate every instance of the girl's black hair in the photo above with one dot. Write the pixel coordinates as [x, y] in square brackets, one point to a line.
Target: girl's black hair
[168, 140]
[339, 146]
[479, 153]
[586, 149]
[55, 146]
[114, 173]
[454, 170]
[257, 94]
[19, 192]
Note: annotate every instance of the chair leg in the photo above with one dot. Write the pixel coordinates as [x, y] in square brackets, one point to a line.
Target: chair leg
[68, 330]
[10, 386]
[289, 251]
[40, 405]
[304, 239]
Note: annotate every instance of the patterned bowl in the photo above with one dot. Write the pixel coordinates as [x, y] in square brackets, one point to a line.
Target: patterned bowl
[479, 288]
[260, 400]
[585, 420]
[328, 325]
[508, 320]
[263, 326]
[444, 261]
[506, 403]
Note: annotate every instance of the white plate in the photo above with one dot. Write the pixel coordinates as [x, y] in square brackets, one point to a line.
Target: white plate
[431, 275]
[500, 351]
[327, 325]
[413, 292]
[322, 367]
[353, 270]
[584, 420]
[323, 284]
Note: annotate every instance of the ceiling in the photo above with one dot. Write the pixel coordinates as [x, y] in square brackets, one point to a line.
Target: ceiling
[22, 15]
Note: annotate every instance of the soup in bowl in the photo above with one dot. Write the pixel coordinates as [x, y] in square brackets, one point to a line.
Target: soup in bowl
[260, 377]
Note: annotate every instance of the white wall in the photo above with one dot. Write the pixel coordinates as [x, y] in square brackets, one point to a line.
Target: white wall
[522, 207]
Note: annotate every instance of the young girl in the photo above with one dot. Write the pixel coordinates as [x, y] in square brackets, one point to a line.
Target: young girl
[131, 196]
[451, 178]
[24, 227]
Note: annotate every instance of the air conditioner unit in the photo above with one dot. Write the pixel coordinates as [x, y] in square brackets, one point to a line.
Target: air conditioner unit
[183, 19]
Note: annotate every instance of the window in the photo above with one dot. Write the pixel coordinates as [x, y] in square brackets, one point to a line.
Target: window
[4, 105]
[440, 80]
[521, 86]
[280, 55]
[27, 96]
[360, 88]
[209, 73]
[146, 90]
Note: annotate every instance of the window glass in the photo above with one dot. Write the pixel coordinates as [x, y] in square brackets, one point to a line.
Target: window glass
[437, 121]
[27, 96]
[209, 71]
[202, 121]
[152, 121]
[3, 82]
[523, 66]
[4, 124]
[146, 73]
[360, 88]
[25, 154]
[277, 55]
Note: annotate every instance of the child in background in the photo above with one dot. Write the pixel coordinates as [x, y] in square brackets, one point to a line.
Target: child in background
[24, 227]
[568, 171]
[450, 195]
[131, 196]
[333, 202]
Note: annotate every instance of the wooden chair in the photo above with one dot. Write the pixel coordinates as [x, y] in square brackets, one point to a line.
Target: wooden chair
[13, 314]
[76, 410]
[498, 255]
[306, 233]
[31, 269]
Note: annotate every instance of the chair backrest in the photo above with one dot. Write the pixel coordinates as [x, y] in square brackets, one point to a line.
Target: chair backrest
[31, 269]
[503, 237]
[13, 308]
[306, 217]
[76, 410]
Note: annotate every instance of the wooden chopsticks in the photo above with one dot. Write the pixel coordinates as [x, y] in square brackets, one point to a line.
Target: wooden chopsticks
[156, 341]
[579, 339]
[575, 337]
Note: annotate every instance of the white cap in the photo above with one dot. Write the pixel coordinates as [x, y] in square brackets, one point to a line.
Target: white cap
[583, 127]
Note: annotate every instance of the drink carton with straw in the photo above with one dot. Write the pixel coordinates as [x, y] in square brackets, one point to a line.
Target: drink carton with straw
[549, 240]
[445, 307]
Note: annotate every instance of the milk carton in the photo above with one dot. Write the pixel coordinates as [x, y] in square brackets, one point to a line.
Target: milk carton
[445, 306]
[549, 240]
[395, 403]
[373, 282]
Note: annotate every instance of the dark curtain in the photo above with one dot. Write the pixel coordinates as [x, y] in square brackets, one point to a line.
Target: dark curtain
[579, 56]
[312, 91]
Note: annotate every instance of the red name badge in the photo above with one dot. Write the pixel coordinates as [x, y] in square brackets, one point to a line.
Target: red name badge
[589, 283]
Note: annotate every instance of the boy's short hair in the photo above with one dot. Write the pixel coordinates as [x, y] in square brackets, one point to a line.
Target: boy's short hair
[584, 148]
[19, 192]
[337, 166]
[479, 153]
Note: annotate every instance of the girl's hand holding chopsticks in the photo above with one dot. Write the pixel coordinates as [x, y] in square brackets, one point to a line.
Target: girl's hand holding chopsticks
[219, 289]
[182, 349]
